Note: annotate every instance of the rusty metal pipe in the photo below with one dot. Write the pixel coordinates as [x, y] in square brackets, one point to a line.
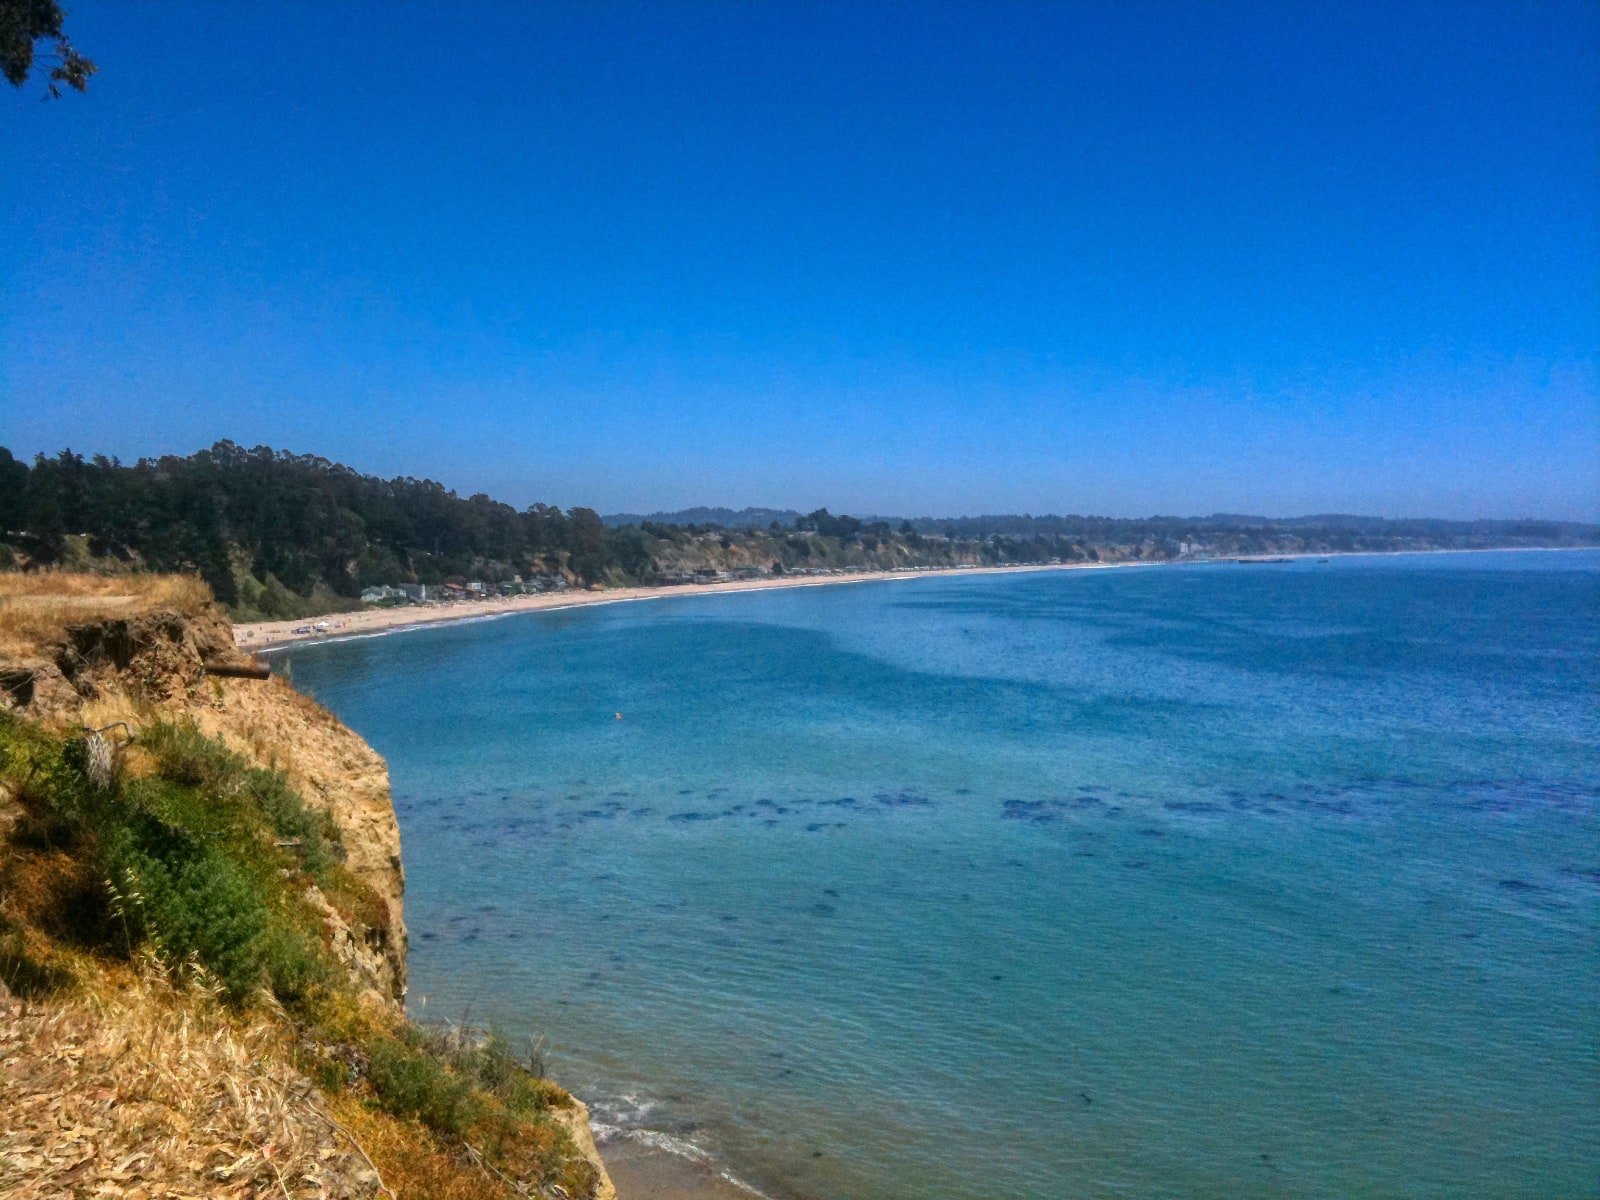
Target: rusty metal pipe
[250, 670]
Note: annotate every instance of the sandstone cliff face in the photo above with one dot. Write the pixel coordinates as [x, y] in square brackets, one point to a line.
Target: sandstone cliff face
[132, 668]
[131, 664]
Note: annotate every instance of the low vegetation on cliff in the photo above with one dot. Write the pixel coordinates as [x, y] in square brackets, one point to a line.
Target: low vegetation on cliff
[171, 861]
[179, 1005]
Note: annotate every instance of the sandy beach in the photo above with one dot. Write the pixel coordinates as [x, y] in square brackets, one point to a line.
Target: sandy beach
[270, 635]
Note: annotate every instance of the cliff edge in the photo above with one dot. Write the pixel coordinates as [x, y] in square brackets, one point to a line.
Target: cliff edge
[109, 657]
[202, 929]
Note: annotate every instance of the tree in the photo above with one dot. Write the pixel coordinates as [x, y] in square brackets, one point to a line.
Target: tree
[631, 549]
[587, 535]
[828, 525]
[13, 492]
[26, 22]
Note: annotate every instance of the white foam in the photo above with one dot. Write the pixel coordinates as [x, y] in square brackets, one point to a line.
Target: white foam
[628, 1108]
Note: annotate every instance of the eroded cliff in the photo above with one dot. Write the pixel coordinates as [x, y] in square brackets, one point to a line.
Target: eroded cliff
[169, 912]
[108, 668]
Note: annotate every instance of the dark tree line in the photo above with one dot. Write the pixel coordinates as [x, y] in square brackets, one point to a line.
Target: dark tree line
[272, 517]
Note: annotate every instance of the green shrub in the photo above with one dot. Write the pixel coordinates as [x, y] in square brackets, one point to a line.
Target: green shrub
[194, 901]
[191, 858]
[515, 1080]
[491, 1063]
[186, 756]
[494, 1066]
[409, 1081]
[311, 834]
[47, 779]
[261, 802]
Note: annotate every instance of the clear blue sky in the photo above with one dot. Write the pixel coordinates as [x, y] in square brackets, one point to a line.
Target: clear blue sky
[919, 258]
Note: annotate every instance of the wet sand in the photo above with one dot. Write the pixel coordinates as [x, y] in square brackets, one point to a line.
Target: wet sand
[642, 1172]
[268, 635]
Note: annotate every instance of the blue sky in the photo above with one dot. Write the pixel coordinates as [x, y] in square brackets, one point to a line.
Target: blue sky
[920, 258]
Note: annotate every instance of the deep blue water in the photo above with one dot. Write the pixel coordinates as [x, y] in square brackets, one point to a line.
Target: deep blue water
[1199, 881]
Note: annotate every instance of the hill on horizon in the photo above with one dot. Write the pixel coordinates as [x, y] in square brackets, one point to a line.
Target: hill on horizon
[728, 518]
[762, 518]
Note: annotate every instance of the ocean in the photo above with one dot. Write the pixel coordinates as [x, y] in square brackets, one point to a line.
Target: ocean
[1211, 880]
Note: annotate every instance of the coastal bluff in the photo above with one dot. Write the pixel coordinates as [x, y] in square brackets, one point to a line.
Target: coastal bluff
[113, 665]
[119, 661]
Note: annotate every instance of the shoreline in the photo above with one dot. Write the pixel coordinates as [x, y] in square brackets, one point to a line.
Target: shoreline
[266, 636]
[643, 1169]
[276, 635]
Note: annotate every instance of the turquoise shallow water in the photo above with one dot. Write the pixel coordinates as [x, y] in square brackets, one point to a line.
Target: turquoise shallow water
[1224, 880]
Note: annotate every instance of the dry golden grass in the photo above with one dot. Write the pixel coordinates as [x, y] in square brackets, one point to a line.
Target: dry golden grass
[110, 706]
[37, 605]
[143, 1091]
[37, 887]
[272, 724]
[413, 1164]
[186, 593]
